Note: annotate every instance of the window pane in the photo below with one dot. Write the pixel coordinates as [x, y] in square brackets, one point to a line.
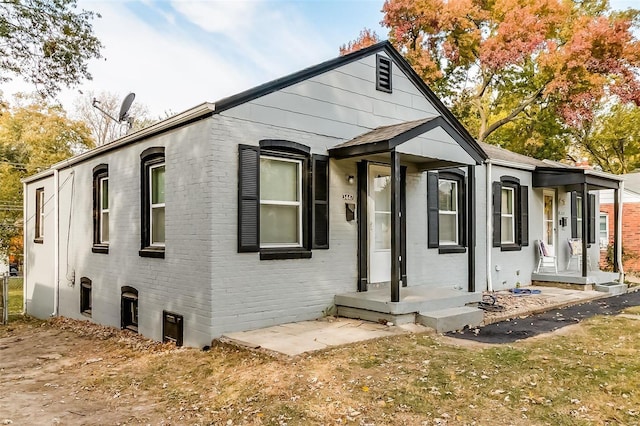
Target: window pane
[279, 225]
[506, 229]
[383, 231]
[157, 225]
[382, 193]
[104, 223]
[279, 180]
[157, 185]
[105, 193]
[507, 200]
[447, 228]
[447, 195]
[579, 207]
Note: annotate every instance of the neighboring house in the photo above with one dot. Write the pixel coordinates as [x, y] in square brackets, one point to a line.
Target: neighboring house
[348, 183]
[630, 223]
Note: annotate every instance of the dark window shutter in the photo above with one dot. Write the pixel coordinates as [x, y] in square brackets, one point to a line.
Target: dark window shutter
[320, 203]
[574, 214]
[432, 210]
[592, 219]
[524, 215]
[497, 213]
[248, 198]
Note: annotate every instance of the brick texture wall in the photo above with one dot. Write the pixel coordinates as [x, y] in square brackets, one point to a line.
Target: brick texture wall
[630, 235]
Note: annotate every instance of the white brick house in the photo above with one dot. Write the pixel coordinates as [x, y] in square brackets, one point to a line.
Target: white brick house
[260, 208]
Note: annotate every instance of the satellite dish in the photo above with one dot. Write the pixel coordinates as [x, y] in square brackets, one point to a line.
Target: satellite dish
[126, 104]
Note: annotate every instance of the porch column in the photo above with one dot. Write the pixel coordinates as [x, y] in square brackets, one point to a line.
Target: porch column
[616, 222]
[395, 226]
[471, 227]
[585, 227]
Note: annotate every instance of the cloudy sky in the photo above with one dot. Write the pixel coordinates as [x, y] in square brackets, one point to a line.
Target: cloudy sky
[175, 54]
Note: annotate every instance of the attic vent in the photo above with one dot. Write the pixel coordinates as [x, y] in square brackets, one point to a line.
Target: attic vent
[383, 73]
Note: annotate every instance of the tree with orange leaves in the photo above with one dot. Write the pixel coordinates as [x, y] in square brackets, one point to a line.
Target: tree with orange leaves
[366, 38]
[501, 64]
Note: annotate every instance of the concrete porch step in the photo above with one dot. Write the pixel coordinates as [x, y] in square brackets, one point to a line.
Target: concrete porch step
[412, 300]
[451, 319]
[372, 316]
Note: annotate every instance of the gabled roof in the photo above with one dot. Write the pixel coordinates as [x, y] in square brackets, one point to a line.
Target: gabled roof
[498, 153]
[386, 138]
[313, 71]
[208, 109]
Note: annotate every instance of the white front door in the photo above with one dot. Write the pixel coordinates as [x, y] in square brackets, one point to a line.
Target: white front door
[379, 205]
[549, 221]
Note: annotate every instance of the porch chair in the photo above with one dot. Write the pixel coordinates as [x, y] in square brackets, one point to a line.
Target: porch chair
[545, 258]
[575, 252]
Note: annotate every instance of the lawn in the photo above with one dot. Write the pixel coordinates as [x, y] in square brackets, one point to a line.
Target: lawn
[15, 296]
[587, 373]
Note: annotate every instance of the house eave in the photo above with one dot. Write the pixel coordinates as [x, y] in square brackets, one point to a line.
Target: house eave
[196, 113]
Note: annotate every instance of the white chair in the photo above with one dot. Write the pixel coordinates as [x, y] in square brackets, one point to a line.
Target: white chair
[545, 258]
[575, 252]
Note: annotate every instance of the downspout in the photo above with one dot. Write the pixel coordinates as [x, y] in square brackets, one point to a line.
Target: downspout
[56, 245]
[489, 226]
[618, 248]
[24, 247]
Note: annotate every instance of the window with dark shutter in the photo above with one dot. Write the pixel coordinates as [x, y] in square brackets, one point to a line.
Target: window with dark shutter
[101, 209]
[524, 216]
[497, 213]
[283, 200]
[383, 73]
[432, 210]
[592, 219]
[320, 203]
[510, 214]
[248, 198]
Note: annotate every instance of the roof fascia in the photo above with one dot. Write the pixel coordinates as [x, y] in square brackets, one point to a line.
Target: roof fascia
[432, 124]
[437, 103]
[189, 116]
[297, 77]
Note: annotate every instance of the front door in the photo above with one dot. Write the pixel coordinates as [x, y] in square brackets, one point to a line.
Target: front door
[379, 226]
[549, 221]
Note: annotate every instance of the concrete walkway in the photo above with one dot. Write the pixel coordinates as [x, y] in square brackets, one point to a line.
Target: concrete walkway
[307, 336]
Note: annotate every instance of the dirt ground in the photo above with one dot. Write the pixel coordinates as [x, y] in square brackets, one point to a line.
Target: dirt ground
[45, 371]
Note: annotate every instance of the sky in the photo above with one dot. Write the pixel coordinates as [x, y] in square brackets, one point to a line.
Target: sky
[176, 54]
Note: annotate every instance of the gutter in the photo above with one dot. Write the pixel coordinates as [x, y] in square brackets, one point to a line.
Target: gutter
[194, 113]
[619, 230]
[489, 227]
[56, 244]
[24, 247]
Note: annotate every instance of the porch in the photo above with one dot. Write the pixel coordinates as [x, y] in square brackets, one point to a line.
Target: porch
[574, 279]
[439, 308]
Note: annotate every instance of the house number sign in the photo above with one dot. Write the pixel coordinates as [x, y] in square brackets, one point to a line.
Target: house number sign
[348, 197]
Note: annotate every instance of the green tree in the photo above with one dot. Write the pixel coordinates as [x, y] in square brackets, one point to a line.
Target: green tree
[46, 42]
[32, 138]
[612, 139]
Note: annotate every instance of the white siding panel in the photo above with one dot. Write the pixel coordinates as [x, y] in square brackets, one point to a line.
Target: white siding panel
[436, 144]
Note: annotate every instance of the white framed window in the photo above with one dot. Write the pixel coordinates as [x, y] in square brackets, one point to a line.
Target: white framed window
[507, 216]
[103, 184]
[448, 212]
[156, 205]
[604, 230]
[40, 213]
[280, 202]
[579, 216]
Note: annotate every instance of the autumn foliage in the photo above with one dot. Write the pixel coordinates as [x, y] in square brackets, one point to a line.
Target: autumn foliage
[501, 63]
[366, 38]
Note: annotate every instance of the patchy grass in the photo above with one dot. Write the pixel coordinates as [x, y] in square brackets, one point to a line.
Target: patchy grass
[15, 295]
[587, 373]
[585, 377]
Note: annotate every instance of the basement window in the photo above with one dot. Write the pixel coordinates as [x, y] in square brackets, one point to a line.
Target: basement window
[172, 328]
[129, 309]
[85, 296]
[383, 73]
